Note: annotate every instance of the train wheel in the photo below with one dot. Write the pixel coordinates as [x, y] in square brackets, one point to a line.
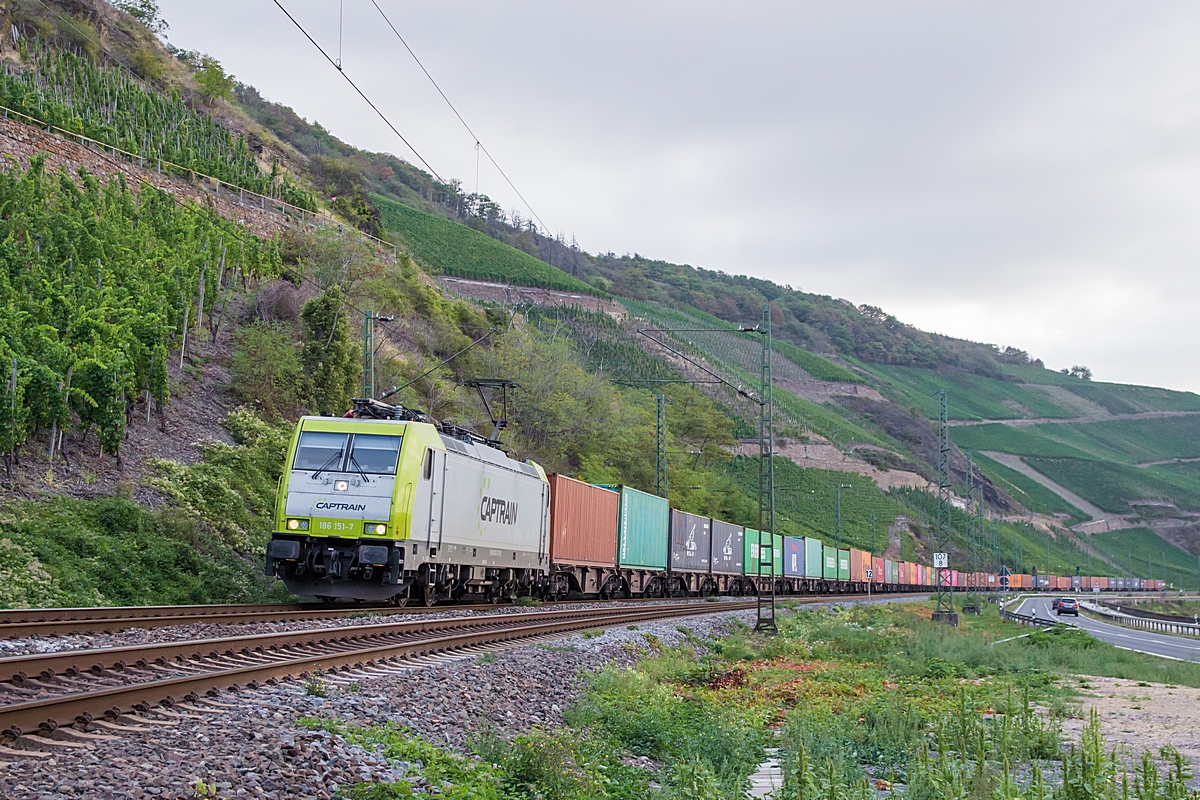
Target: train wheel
[326, 599]
[401, 600]
[429, 596]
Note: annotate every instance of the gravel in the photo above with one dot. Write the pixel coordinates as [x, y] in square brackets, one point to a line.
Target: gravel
[177, 633]
[256, 748]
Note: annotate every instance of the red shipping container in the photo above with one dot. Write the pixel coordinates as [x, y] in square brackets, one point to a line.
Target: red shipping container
[877, 569]
[583, 521]
[903, 569]
[1103, 583]
[860, 562]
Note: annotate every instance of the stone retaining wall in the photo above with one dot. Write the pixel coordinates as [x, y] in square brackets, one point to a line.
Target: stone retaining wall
[21, 142]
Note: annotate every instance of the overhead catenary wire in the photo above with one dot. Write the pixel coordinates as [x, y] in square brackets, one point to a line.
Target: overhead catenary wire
[478, 144]
[362, 94]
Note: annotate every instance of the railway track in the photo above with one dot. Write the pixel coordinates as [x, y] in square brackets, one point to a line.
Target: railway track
[68, 696]
[16, 623]
[45, 694]
[22, 622]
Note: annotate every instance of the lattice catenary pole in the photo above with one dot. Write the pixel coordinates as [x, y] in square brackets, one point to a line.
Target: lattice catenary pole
[941, 544]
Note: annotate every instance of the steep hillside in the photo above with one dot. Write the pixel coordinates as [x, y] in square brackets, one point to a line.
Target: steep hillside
[164, 336]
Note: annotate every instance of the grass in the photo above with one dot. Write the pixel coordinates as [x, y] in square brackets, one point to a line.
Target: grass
[453, 249]
[1027, 491]
[857, 700]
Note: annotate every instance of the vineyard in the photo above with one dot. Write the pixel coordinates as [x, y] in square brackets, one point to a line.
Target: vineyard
[453, 249]
[105, 103]
[1141, 552]
[971, 396]
[742, 351]
[1132, 441]
[1113, 487]
[95, 285]
[608, 347]
[1024, 441]
[806, 503]
[1028, 492]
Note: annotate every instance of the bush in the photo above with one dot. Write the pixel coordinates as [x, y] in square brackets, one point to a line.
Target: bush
[266, 369]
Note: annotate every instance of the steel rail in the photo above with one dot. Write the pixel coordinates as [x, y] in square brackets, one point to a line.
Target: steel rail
[35, 664]
[51, 712]
[163, 616]
[17, 623]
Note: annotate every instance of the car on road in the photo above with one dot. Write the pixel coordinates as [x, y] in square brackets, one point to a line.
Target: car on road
[1065, 605]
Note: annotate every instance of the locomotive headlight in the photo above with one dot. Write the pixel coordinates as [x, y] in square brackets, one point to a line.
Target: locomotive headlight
[379, 529]
[293, 524]
[341, 486]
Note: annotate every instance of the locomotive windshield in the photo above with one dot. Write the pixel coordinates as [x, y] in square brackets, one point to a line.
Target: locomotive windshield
[364, 453]
[320, 451]
[375, 454]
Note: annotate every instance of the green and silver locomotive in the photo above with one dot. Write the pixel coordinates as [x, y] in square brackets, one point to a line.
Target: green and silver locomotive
[381, 509]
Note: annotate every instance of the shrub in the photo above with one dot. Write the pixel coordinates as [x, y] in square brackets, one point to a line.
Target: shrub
[266, 369]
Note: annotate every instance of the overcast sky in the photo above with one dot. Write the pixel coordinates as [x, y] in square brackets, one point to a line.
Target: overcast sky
[1022, 173]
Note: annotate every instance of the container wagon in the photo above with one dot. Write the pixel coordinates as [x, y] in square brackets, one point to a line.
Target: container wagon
[691, 547]
[727, 556]
[583, 539]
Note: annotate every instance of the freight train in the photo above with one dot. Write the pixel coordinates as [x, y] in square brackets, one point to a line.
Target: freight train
[385, 505]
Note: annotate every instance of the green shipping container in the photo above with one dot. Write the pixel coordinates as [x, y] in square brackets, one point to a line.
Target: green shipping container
[750, 562]
[813, 552]
[829, 563]
[843, 557]
[642, 530]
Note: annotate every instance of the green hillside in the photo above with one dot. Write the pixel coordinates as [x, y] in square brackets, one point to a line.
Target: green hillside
[1027, 491]
[1114, 486]
[454, 249]
[1140, 552]
[973, 396]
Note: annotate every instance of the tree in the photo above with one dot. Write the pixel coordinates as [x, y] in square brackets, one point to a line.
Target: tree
[1081, 372]
[215, 82]
[145, 12]
[330, 359]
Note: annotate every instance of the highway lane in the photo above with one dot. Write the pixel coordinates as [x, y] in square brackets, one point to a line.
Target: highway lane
[1156, 644]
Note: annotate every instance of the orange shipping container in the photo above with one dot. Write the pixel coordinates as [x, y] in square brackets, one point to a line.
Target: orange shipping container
[860, 562]
[583, 522]
[1103, 583]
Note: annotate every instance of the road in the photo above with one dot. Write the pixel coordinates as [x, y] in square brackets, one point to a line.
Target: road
[1158, 644]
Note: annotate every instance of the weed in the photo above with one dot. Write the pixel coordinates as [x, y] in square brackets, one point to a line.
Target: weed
[486, 658]
[353, 687]
[593, 634]
[315, 687]
[528, 602]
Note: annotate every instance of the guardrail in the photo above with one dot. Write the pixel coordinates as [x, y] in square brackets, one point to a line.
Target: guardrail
[1145, 623]
[232, 193]
[1134, 611]
[1023, 619]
